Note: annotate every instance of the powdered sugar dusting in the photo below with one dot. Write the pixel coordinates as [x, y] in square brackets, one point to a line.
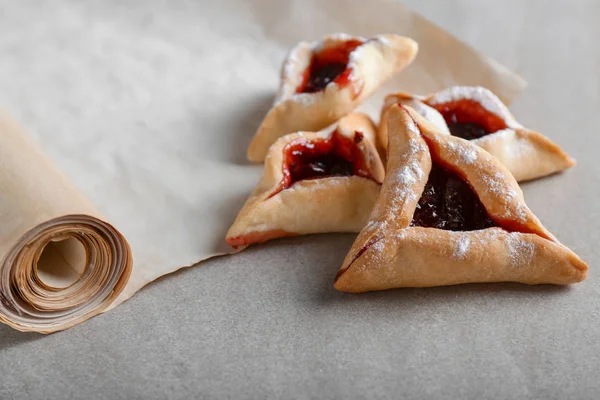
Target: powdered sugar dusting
[521, 148]
[463, 150]
[406, 176]
[355, 56]
[291, 72]
[290, 67]
[399, 187]
[372, 224]
[514, 146]
[375, 254]
[412, 127]
[430, 114]
[470, 156]
[371, 158]
[413, 197]
[403, 182]
[409, 174]
[504, 134]
[303, 98]
[520, 252]
[384, 40]
[378, 246]
[481, 239]
[496, 183]
[333, 39]
[462, 246]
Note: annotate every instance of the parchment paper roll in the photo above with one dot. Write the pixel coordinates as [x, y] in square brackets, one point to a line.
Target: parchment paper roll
[61, 263]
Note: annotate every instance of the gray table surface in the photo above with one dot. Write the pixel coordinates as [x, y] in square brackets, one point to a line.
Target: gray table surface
[267, 323]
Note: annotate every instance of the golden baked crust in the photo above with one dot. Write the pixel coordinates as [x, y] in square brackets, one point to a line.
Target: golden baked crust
[389, 253]
[415, 102]
[526, 153]
[371, 63]
[329, 204]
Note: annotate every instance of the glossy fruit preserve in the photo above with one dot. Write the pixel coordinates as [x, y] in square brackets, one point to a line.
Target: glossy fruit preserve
[448, 202]
[469, 120]
[328, 65]
[313, 159]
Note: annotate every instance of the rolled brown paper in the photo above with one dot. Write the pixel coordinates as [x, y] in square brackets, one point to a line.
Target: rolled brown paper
[61, 262]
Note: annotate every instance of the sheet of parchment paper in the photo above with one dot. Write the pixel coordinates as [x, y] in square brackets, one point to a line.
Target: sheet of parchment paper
[149, 110]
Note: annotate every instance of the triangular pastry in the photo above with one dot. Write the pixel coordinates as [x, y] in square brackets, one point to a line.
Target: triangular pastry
[450, 213]
[324, 80]
[314, 182]
[476, 114]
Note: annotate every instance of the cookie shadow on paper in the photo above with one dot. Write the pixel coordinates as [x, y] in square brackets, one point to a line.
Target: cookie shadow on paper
[244, 123]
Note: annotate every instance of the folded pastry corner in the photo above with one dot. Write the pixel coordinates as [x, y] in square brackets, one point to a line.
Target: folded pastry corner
[476, 114]
[416, 103]
[450, 213]
[314, 182]
[324, 80]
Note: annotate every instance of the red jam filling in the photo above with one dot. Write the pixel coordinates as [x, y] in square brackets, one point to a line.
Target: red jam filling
[469, 120]
[328, 65]
[449, 203]
[321, 158]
